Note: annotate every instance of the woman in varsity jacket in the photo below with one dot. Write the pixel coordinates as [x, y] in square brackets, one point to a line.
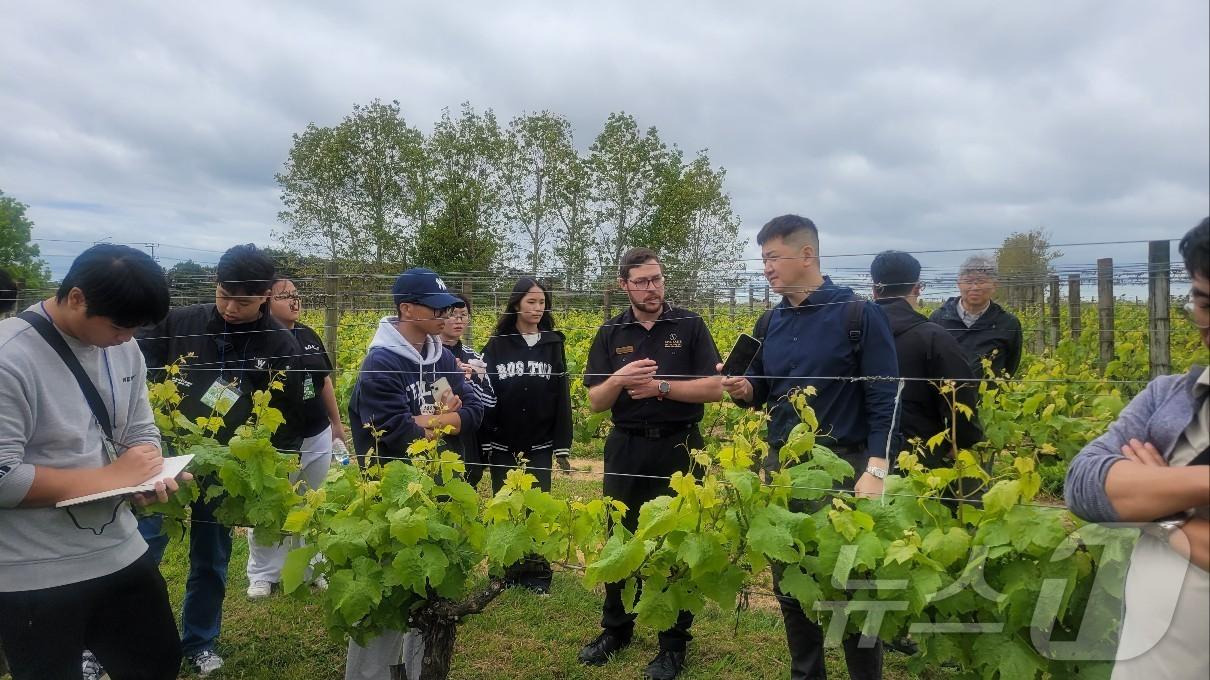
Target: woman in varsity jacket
[527, 366]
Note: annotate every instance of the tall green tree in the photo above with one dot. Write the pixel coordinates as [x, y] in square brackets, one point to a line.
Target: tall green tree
[694, 223]
[359, 190]
[538, 156]
[467, 232]
[575, 244]
[629, 170]
[19, 255]
[1023, 262]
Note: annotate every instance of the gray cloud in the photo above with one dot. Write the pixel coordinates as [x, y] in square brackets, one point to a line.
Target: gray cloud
[921, 125]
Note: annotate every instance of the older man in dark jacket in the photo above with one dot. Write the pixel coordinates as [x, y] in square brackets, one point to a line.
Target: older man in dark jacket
[984, 329]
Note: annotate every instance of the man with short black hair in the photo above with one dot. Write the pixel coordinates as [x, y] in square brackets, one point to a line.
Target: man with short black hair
[238, 349]
[74, 421]
[637, 366]
[1151, 467]
[822, 336]
[929, 357]
[984, 329]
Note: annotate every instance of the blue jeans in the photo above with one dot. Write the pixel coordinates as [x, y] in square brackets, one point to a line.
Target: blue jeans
[209, 553]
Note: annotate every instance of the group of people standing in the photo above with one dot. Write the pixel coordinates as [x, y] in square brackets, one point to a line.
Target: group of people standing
[654, 366]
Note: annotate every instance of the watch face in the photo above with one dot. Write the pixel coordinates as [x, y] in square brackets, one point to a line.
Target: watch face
[665, 388]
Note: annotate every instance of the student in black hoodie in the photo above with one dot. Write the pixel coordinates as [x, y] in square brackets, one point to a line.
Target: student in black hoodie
[924, 350]
[238, 348]
[983, 328]
[475, 371]
[527, 364]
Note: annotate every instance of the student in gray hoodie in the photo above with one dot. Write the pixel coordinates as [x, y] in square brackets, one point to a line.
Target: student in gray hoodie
[1151, 466]
[66, 573]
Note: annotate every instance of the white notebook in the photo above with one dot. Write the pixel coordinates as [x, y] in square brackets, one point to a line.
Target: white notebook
[172, 467]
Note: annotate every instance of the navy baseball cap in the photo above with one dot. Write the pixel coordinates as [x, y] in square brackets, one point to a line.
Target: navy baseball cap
[424, 287]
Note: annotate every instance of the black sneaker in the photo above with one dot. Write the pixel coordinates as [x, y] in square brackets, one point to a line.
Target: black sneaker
[597, 652]
[665, 666]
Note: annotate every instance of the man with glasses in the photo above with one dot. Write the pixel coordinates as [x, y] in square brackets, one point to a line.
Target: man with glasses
[984, 329]
[1151, 467]
[642, 365]
[401, 388]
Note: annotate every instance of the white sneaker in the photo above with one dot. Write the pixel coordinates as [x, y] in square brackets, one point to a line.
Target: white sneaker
[319, 583]
[259, 590]
[206, 662]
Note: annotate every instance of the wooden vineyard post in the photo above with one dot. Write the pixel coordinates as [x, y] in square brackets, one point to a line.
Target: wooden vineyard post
[1159, 322]
[331, 311]
[1105, 309]
[1052, 337]
[1073, 306]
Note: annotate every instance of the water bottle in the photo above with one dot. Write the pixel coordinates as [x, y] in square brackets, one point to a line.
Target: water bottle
[340, 453]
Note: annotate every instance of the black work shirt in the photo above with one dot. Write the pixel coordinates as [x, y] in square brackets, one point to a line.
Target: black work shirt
[314, 358]
[681, 346]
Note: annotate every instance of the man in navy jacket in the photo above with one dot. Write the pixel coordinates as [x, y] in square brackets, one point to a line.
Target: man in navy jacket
[822, 335]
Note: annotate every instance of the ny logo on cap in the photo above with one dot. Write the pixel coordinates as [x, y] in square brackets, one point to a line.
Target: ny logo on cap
[440, 283]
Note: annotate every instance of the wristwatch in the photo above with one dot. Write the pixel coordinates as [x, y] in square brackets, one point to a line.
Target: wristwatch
[878, 472]
[665, 388]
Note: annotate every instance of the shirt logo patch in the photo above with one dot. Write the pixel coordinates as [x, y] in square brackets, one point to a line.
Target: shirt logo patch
[312, 348]
[673, 342]
[624, 350]
[261, 364]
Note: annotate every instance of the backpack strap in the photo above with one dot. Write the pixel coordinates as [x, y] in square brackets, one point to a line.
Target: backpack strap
[855, 310]
[762, 324]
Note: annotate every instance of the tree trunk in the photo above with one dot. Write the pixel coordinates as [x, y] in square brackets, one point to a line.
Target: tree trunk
[438, 624]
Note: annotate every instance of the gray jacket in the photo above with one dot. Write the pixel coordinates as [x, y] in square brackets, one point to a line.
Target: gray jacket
[45, 421]
[1159, 414]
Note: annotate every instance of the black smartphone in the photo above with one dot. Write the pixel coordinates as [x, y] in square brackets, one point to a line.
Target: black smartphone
[741, 355]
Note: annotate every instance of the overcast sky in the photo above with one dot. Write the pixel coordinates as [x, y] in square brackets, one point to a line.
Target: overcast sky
[916, 125]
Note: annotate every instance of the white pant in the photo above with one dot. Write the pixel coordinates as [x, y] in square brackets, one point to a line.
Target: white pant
[374, 661]
[265, 562]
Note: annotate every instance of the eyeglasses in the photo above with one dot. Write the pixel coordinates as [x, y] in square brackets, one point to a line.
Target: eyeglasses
[292, 297]
[656, 281]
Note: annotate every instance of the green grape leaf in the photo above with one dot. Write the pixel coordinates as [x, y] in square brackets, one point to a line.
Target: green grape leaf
[800, 586]
[618, 560]
[947, 546]
[294, 570]
[408, 526]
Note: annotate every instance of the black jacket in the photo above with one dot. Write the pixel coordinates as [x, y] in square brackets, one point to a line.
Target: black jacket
[533, 394]
[468, 441]
[926, 350]
[248, 353]
[997, 334]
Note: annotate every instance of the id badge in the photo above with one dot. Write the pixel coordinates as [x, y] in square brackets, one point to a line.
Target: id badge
[221, 396]
[308, 388]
